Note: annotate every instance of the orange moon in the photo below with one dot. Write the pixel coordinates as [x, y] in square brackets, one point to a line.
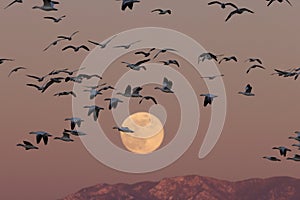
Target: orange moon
[148, 133]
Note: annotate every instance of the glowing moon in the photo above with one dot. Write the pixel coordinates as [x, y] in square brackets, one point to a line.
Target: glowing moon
[148, 133]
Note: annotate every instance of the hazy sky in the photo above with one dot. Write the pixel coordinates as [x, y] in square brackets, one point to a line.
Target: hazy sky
[253, 125]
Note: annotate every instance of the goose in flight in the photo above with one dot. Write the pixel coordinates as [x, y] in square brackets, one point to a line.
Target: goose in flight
[296, 145]
[208, 56]
[212, 77]
[68, 37]
[55, 20]
[27, 145]
[284, 73]
[2, 60]
[55, 72]
[228, 59]
[148, 98]
[73, 79]
[106, 88]
[74, 121]
[54, 43]
[238, 11]
[41, 135]
[280, 1]
[113, 102]
[65, 137]
[39, 79]
[94, 110]
[162, 12]
[127, 46]
[12, 3]
[146, 54]
[65, 94]
[223, 5]
[74, 132]
[283, 150]
[137, 66]
[208, 99]
[248, 90]
[253, 67]
[135, 92]
[93, 93]
[169, 62]
[47, 6]
[166, 87]
[76, 49]
[128, 3]
[271, 158]
[15, 70]
[123, 129]
[103, 45]
[254, 60]
[295, 158]
[51, 82]
[165, 50]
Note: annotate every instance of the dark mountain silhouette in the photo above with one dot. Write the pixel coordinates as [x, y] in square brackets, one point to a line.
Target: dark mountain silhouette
[195, 188]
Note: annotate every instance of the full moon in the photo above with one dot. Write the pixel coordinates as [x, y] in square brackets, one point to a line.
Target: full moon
[148, 133]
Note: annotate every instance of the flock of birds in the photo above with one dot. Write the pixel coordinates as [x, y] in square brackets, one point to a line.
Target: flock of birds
[56, 76]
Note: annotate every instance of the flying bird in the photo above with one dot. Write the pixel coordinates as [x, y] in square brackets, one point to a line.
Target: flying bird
[76, 49]
[165, 50]
[73, 79]
[162, 12]
[39, 79]
[295, 158]
[41, 135]
[55, 20]
[283, 150]
[51, 82]
[170, 62]
[103, 45]
[137, 66]
[39, 88]
[128, 3]
[148, 98]
[238, 11]
[254, 60]
[15, 70]
[146, 54]
[212, 77]
[253, 67]
[123, 129]
[280, 1]
[68, 37]
[208, 56]
[74, 121]
[271, 158]
[2, 60]
[47, 6]
[166, 87]
[248, 90]
[12, 3]
[65, 94]
[65, 137]
[113, 102]
[94, 110]
[127, 46]
[223, 5]
[93, 93]
[135, 92]
[106, 88]
[27, 145]
[208, 99]
[54, 43]
[74, 132]
[228, 59]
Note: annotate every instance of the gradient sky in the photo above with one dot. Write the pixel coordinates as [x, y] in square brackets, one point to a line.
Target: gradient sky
[253, 125]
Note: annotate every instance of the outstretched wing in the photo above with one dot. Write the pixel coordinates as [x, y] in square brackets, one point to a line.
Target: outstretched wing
[142, 61]
[155, 10]
[69, 47]
[84, 47]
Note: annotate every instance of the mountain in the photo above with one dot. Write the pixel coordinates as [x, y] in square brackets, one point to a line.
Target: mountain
[195, 188]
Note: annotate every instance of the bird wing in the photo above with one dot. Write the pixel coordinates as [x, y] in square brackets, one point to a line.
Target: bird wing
[246, 10]
[95, 43]
[141, 62]
[141, 52]
[47, 3]
[176, 63]
[128, 90]
[47, 85]
[38, 138]
[84, 47]
[157, 54]
[27, 143]
[271, 1]
[289, 2]
[10, 4]
[67, 135]
[248, 89]
[52, 18]
[207, 100]
[69, 47]
[214, 2]
[249, 69]
[45, 138]
[137, 90]
[158, 9]
[232, 5]
[230, 15]
[74, 32]
[151, 98]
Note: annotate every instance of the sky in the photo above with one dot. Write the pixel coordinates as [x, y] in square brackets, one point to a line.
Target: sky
[252, 127]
